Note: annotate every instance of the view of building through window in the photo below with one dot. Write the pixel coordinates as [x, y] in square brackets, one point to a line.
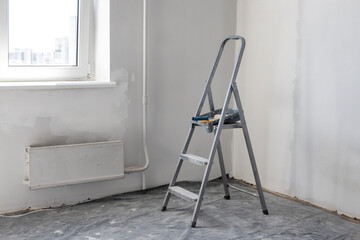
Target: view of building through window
[43, 37]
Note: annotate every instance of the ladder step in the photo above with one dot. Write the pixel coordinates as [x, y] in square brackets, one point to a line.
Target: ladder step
[233, 125]
[183, 193]
[194, 159]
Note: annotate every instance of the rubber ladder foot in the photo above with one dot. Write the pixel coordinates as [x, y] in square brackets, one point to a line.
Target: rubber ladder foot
[193, 224]
[227, 197]
[163, 209]
[266, 212]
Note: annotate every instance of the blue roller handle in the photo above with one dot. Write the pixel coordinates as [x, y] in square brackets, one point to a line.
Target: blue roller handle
[200, 118]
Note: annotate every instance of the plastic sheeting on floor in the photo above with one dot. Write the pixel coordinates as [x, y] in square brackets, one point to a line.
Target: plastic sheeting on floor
[137, 215]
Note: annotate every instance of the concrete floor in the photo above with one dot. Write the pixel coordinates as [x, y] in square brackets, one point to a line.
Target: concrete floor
[137, 216]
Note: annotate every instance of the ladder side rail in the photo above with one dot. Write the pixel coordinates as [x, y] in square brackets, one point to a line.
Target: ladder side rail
[211, 100]
[227, 98]
[244, 127]
[249, 148]
[211, 158]
[222, 46]
[208, 82]
[186, 146]
[216, 143]
[238, 60]
[188, 139]
[172, 183]
[219, 151]
[223, 171]
[178, 167]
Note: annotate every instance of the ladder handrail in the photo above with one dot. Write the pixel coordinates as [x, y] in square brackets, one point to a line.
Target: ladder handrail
[217, 60]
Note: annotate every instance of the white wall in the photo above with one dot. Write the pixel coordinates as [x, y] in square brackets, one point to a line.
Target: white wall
[300, 85]
[183, 41]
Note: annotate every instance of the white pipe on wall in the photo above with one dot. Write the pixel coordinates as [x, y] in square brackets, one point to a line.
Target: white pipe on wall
[144, 101]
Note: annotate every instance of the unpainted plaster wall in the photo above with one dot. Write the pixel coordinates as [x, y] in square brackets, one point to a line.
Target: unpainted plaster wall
[183, 37]
[301, 89]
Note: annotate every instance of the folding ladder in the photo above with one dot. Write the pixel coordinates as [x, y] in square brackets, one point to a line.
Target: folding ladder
[217, 126]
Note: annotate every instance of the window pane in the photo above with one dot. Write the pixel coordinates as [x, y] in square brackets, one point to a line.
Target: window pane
[43, 32]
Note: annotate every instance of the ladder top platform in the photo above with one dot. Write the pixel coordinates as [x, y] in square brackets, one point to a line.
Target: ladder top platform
[232, 120]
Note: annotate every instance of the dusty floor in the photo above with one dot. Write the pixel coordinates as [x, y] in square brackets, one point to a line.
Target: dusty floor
[137, 216]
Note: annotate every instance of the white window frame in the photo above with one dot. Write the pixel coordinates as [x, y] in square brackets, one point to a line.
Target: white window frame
[46, 73]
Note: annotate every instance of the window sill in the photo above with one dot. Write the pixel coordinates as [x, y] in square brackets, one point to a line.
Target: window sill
[55, 85]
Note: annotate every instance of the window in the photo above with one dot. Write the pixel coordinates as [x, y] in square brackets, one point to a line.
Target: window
[44, 39]
[33, 41]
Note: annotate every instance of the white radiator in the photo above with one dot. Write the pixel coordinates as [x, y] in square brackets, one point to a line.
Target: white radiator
[61, 165]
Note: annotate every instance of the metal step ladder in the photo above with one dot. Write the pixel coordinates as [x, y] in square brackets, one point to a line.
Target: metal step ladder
[216, 127]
